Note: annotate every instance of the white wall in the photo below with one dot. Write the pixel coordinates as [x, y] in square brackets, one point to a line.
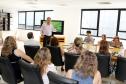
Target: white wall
[71, 17]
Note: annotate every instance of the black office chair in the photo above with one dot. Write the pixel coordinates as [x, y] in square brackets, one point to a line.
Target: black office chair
[31, 50]
[70, 60]
[6, 70]
[58, 79]
[120, 73]
[104, 65]
[31, 73]
[56, 55]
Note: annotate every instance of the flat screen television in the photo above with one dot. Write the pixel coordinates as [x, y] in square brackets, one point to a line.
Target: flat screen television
[58, 25]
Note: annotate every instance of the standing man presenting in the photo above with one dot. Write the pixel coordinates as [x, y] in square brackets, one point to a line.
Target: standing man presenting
[46, 31]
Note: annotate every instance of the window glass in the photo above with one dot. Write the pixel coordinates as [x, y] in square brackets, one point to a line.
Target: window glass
[49, 14]
[29, 20]
[122, 35]
[38, 17]
[32, 19]
[108, 22]
[122, 26]
[21, 17]
[89, 19]
[20, 26]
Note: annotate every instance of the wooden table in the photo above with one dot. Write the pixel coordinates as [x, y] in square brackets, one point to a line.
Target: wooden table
[61, 40]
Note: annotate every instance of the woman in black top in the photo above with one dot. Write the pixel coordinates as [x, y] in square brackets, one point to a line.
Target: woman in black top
[10, 50]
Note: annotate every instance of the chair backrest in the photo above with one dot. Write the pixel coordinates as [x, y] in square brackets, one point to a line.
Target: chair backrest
[31, 73]
[6, 70]
[103, 65]
[120, 73]
[58, 79]
[70, 60]
[56, 55]
[31, 50]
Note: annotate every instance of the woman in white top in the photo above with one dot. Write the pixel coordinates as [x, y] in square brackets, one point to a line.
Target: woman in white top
[43, 59]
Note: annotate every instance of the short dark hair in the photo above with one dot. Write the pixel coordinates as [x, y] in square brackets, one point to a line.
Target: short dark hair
[30, 35]
[88, 32]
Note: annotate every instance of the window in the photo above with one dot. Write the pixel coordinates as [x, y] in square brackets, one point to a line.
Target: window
[122, 26]
[89, 19]
[21, 19]
[122, 34]
[111, 22]
[49, 14]
[108, 20]
[38, 17]
[32, 19]
[29, 20]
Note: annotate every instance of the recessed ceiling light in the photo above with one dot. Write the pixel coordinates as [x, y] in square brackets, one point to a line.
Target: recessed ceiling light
[104, 3]
[62, 4]
[32, 3]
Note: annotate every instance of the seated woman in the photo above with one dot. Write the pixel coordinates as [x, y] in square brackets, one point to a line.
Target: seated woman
[103, 37]
[43, 59]
[77, 47]
[116, 42]
[10, 50]
[85, 70]
[54, 42]
[104, 48]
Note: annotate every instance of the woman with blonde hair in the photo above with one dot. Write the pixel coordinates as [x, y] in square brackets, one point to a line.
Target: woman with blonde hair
[43, 59]
[85, 70]
[77, 47]
[10, 51]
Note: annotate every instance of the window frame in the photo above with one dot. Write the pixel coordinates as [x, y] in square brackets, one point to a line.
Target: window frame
[98, 22]
[25, 25]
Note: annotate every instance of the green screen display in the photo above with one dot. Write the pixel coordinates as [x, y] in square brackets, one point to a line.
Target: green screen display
[57, 25]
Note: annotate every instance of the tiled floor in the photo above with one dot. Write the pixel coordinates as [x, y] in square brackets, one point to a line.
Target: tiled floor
[111, 81]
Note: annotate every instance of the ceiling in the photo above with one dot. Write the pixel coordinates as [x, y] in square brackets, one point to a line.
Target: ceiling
[61, 3]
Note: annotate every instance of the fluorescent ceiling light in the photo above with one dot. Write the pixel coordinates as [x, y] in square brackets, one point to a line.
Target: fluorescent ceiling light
[104, 2]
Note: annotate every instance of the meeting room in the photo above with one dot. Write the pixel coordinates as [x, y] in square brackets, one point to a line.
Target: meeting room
[62, 42]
